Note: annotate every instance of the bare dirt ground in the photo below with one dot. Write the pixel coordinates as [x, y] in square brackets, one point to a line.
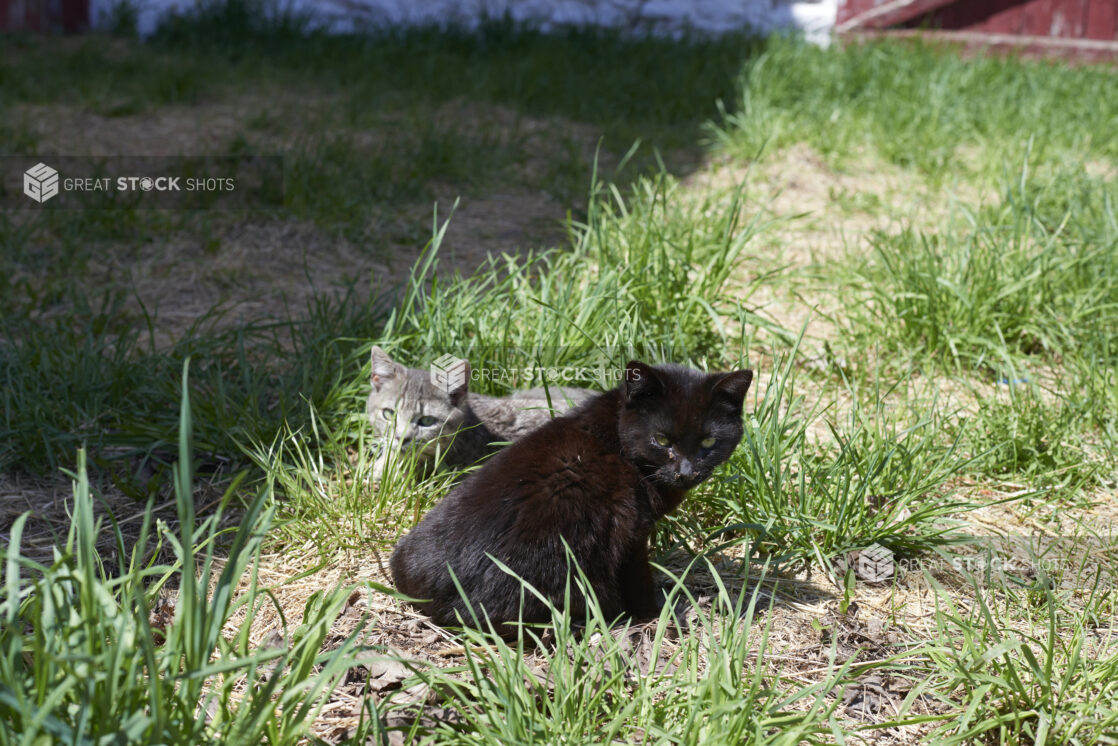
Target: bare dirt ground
[269, 267]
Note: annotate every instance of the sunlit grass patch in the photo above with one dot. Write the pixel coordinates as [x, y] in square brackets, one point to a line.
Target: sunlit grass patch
[1017, 302]
[1045, 676]
[920, 105]
[1004, 285]
[880, 478]
[643, 272]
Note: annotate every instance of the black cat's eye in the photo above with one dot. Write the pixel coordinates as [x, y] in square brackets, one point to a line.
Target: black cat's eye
[387, 413]
[426, 421]
[661, 440]
[708, 442]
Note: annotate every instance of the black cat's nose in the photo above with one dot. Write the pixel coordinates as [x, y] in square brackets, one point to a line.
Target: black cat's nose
[685, 469]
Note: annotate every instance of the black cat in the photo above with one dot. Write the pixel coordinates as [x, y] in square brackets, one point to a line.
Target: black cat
[598, 478]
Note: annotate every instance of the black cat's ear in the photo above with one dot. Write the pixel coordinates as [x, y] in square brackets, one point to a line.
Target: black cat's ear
[384, 368]
[641, 380]
[733, 385]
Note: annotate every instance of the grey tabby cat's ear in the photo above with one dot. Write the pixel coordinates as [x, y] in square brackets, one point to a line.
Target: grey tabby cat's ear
[641, 380]
[385, 368]
[733, 385]
[458, 394]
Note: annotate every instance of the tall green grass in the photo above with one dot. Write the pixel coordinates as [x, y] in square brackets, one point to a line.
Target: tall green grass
[642, 274]
[795, 496]
[1033, 277]
[1018, 300]
[85, 657]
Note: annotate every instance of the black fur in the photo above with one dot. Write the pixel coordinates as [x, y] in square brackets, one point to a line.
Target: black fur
[598, 478]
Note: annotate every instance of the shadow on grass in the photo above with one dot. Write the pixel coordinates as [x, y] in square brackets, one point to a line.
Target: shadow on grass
[625, 87]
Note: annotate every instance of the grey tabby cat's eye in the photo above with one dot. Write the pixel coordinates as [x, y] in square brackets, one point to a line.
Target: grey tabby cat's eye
[708, 442]
[408, 412]
[662, 440]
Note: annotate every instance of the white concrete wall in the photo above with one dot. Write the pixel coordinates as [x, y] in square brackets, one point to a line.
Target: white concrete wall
[814, 18]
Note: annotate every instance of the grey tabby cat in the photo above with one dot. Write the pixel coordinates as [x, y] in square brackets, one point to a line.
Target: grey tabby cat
[409, 413]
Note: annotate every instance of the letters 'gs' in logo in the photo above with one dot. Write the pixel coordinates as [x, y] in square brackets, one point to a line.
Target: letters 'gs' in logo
[40, 182]
[449, 373]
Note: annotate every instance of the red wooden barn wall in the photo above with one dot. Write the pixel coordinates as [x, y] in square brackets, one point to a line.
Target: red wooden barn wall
[1068, 19]
[44, 15]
